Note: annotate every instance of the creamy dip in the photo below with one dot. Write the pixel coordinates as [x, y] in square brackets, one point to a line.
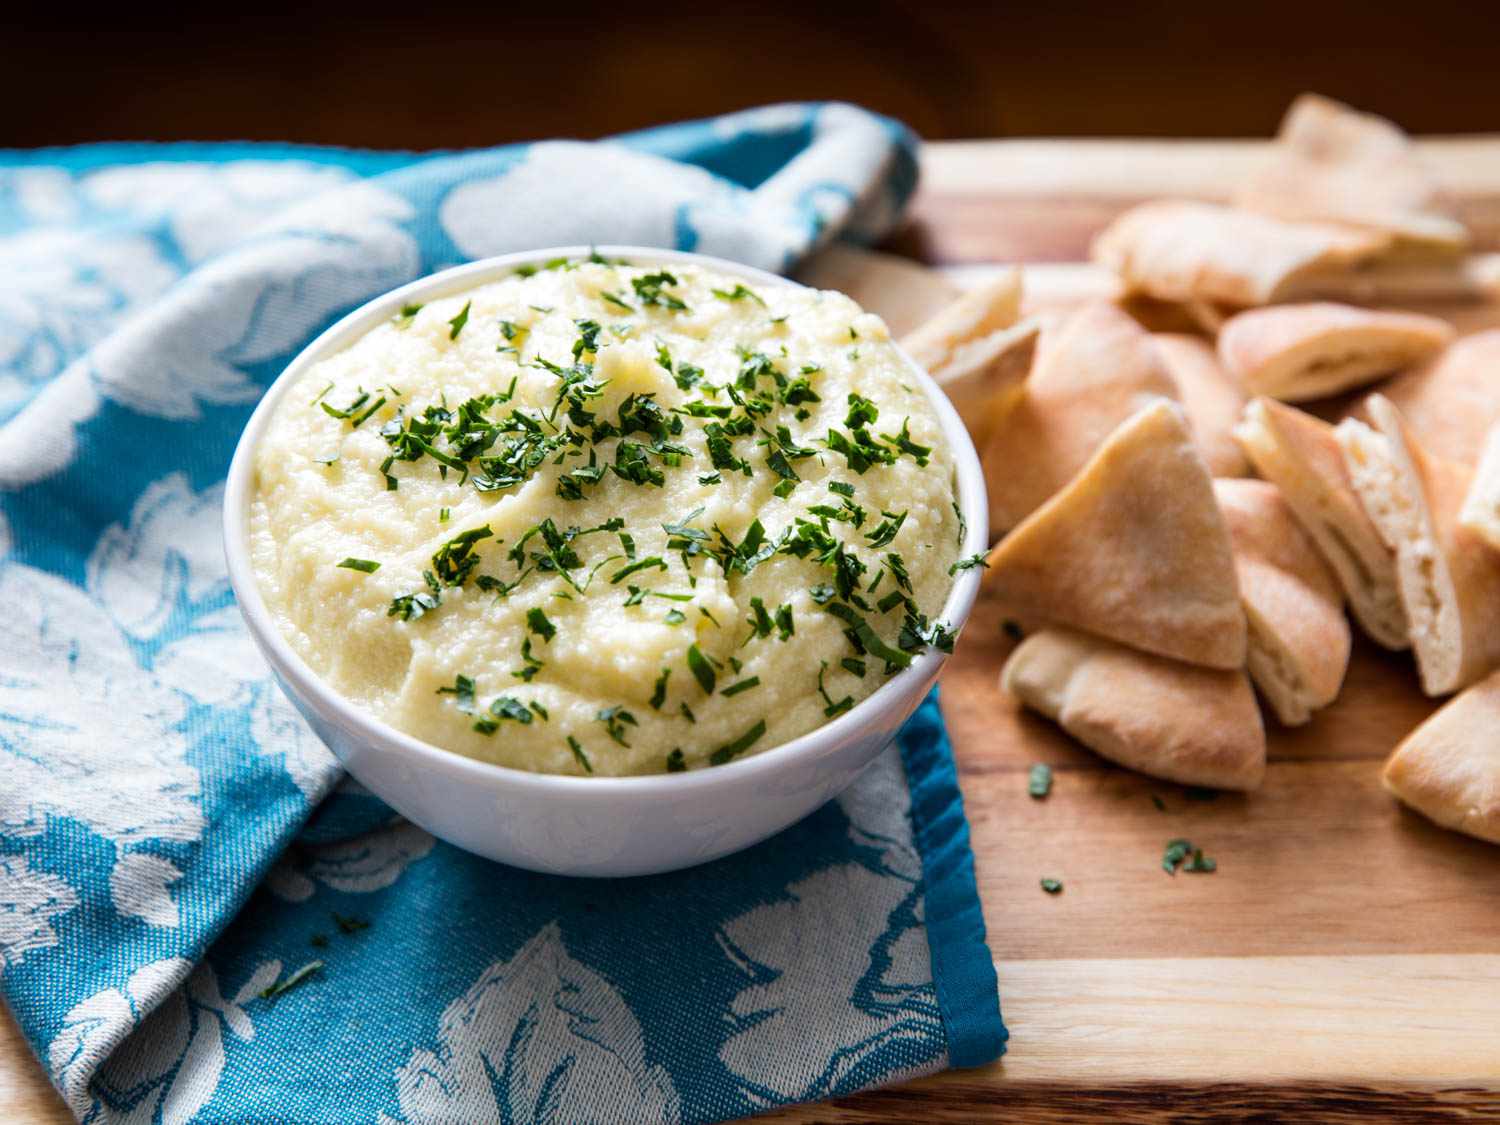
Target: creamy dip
[609, 519]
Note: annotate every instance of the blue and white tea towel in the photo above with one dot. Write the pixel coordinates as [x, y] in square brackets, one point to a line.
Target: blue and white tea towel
[192, 926]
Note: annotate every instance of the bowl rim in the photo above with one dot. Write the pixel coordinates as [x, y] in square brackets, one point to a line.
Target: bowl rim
[288, 664]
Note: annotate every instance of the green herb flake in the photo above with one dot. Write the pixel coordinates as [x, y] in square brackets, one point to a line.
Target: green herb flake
[742, 685]
[579, 756]
[1052, 886]
[979, 559]
[456, 325]
[702, 670]
[615, 720]
[1161, 806]
[538, 623]
[364, 566]
[347, 924]
[833, 707]
[738, 293]
[676, 761]
[649, 290]
[731, 750]
[463, 691]
[287, 983]
[1181, 854]
[659, 690]
[1039, 780]
[407, 314]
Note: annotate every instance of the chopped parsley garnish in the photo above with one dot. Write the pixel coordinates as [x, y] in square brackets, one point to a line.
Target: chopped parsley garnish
[411, 606]
[462, 691]
[702, 670]
[291, 981]
[655, 561]
[732, 750]
[579, 755]
[1181, 854]
[364, 566]
[616, 300]
[676, 761]
[1039, 780]
[456, 559]
[866, 640]
[456, 325]
[687, 712]
[649, 290]
[980, 559]
[743, 685]
[537, 622]
[615, 720]
[1161, 806]
[348, 925]
[503, 707]
[738, 293]
[886, 529]
[1052, 886]
[785, 627]
[659, 690]
[853, 666]
[833, 707]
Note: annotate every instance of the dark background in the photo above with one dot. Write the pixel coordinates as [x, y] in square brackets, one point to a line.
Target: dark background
[421, 75]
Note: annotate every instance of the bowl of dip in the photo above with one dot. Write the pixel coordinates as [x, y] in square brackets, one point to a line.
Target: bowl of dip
[605, 562]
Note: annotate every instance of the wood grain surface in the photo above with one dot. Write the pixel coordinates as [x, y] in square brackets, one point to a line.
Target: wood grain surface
[1343, 963]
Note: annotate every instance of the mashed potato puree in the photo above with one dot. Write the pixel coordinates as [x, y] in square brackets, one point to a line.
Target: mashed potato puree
[609, 519]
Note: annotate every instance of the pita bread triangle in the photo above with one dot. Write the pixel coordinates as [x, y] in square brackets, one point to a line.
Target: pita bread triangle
[1448, 769]
[1134, 549]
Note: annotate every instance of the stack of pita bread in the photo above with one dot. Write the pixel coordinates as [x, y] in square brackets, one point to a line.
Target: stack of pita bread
[1160, 584]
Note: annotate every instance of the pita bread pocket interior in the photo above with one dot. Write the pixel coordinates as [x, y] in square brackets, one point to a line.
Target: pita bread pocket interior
[1448, 577]
[1448, 769]
[1480, 514]
[1451, 402]
[1335, 164]
[1195, 726]
[1299, 454]
[1299, 636]
[1186, 251]
[900, 291]
[989, 307]
[1300, 352]
[1093, 369]
[1133, 549]
[1212, 399]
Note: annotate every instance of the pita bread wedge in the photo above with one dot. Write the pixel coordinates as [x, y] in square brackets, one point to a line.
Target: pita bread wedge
[1133, 549]
[900, 291]
[1092, 371]
[983, 373]
[1299, 636]
[1196, 726]
[1300, 352]
[989, 307]
[1448, 769]
[1300, 455]
[1448, 577]
[1212, 399]
[1184, 251]
[1481, 511]
[1335, 164]
[1451, 402]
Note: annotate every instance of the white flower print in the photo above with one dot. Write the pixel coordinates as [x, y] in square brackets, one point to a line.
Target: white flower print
[29, 900]
[538, 1038]
[364, 864]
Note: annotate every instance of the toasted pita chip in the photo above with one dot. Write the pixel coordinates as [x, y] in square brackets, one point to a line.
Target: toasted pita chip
[1299, 636]
[1213, 400]
[989, 307]
[1093, 371]
[1451, 402]
[1448, 769]
[1397, 278]
[1334, 164]
[900, 291]
[1448, 577]
[1196, 726]
[1480, 514]
[1300, 455]
[1133, 549]
[1183, 251]
[982, 374]
[1299, 352]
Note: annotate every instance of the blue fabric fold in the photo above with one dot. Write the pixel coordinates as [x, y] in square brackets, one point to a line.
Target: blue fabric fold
[175, 845]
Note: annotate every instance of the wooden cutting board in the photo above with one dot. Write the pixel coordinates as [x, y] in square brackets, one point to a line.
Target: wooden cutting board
[1343, 962]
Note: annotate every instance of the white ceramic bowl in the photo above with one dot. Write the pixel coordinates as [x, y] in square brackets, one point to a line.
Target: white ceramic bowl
[578, 825]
